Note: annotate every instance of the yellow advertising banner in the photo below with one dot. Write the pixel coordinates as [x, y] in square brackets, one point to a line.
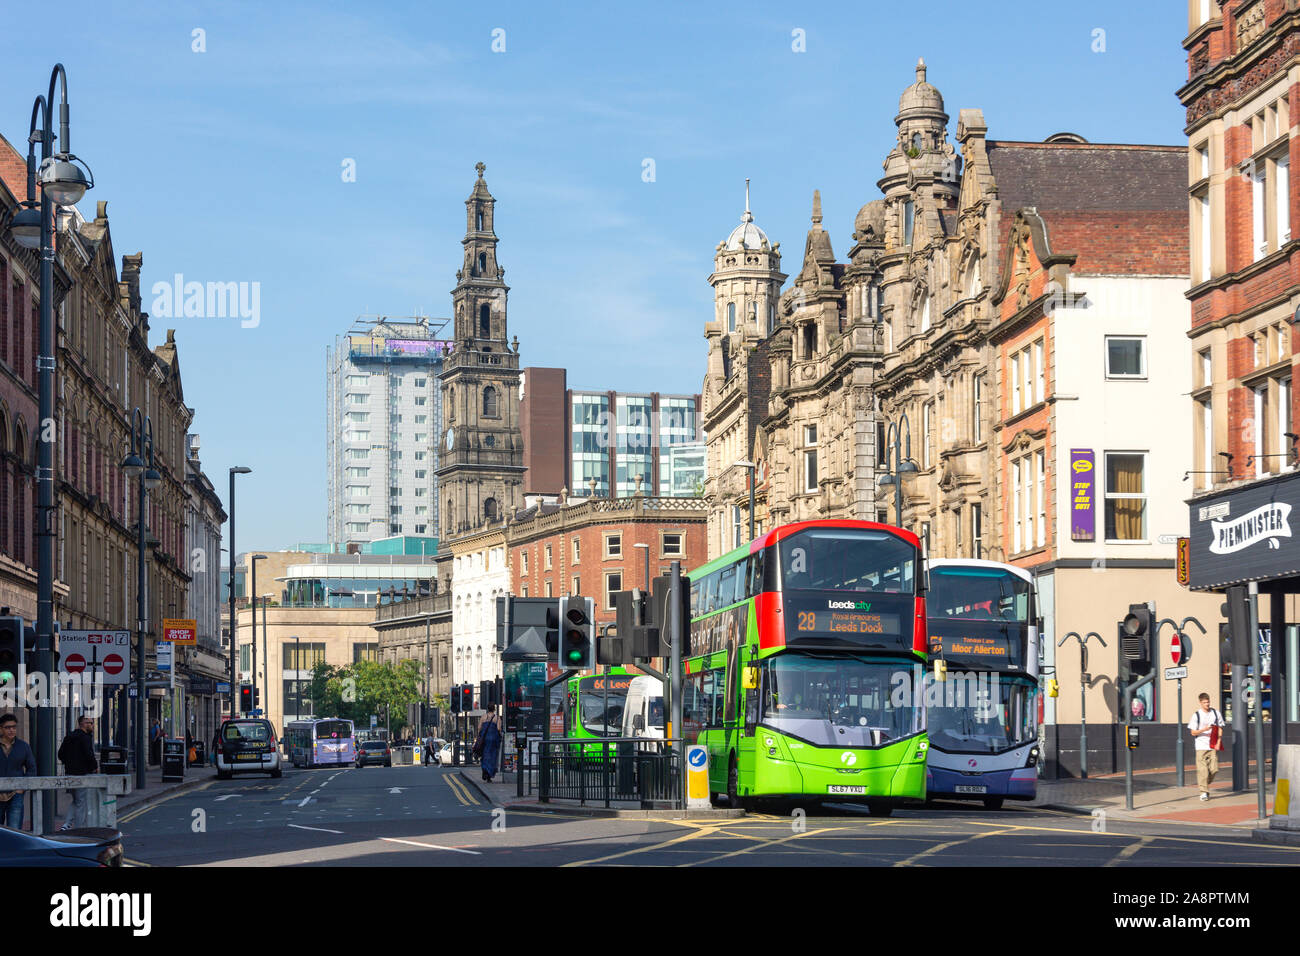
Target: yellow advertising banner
[180, 630]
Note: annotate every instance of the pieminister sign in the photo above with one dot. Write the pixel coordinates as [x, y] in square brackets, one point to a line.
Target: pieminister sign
[1244, 535]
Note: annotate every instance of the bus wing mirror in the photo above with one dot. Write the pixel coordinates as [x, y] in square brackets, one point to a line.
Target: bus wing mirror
[749, 678]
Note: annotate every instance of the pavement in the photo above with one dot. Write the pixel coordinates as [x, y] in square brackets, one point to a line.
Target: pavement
[502, 792]
[1157, 796]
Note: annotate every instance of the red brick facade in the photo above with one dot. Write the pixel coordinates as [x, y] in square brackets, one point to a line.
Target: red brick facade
[606, 533]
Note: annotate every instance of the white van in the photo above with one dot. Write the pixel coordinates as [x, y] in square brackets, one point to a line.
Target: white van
[643, 712]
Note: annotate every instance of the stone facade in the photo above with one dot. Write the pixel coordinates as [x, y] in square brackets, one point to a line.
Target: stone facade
[478, 577]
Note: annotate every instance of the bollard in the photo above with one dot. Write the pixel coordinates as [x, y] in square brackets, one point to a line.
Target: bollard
[1286, 793]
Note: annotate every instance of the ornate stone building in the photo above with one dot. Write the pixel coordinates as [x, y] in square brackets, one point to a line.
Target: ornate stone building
[482, 468]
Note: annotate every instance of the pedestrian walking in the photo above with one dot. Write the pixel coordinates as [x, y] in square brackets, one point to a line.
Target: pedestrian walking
[1206, 726]
[16, 760]
[488, 745]
[155, 742]
[78, 755]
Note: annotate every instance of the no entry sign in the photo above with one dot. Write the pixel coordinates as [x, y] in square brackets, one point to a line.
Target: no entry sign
[96, 653]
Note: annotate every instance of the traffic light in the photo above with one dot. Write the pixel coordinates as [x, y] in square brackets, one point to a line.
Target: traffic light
[466, 698]
[487, 694]
[257, 697]
[657, 641]
[245, 698]
[577, 633]
[455, 699]
[552, 632]
[11, 650]
[1136, 634]
[1234, 638]
[31, 656]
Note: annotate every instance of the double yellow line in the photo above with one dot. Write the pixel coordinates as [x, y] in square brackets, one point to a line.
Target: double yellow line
[461, 790]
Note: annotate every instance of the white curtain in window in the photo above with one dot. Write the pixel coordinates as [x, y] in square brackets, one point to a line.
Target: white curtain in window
[1283, 197]
[1206, 249]
[1015, 507]
[1042, 498]
[1259, 236]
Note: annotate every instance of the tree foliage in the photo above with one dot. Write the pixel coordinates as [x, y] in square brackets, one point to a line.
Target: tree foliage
[365, 687]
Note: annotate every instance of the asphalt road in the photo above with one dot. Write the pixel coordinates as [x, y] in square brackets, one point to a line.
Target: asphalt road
[428, 816]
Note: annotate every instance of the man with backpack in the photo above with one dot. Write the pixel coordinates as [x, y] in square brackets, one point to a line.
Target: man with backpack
[1206, 726]
[78, 755]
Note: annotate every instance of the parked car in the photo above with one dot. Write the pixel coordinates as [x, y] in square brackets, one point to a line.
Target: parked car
[444, 753]
[374, 751]
[247, 745]
[92, 846]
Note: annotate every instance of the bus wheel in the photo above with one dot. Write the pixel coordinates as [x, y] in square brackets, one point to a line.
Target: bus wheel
[992, 803]
[878, 808]
[733, 784]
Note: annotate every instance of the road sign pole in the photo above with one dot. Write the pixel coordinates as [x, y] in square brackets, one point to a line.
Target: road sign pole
[674, 628]
[1259, 698]
[1178, 748]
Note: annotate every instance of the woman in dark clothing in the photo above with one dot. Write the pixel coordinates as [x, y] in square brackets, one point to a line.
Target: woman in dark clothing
[490, 741]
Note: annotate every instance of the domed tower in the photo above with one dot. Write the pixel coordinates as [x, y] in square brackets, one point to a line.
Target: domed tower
[922, 172]
[746, 282]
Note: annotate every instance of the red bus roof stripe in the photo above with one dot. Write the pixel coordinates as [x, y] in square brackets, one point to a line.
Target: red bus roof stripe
[776, 534]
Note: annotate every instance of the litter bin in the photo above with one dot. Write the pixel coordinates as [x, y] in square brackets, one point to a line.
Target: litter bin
[173, 759]
[112, 760]
[200, 754]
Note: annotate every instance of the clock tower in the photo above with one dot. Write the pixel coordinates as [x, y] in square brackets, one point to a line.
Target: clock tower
[482, 465]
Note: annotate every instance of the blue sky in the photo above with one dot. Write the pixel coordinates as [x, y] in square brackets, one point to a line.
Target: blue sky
[226, 166]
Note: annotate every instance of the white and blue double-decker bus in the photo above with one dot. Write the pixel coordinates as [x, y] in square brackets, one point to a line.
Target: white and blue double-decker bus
[983, 720]
[321, 743]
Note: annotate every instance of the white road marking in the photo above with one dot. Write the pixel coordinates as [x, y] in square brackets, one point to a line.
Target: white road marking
[305, 800]
[396, 790]
[227, 796]
[431, 846]
[317, 829]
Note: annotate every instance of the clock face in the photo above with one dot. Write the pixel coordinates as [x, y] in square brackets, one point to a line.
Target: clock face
[451, 438]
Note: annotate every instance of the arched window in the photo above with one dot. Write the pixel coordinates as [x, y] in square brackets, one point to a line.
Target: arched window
[447, 520]
[490, 405]
[753, 314]
[916, 142]
[490, 509]
[484, 321]
[478, 221]
[925, 315]
[731, 316]
[771, 317]
[971, 287]
[482, 263]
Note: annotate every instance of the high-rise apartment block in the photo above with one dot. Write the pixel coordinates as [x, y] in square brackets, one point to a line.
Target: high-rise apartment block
[384, 418]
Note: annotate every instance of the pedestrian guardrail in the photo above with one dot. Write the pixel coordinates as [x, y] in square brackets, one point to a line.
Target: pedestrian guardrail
[102, 806]
[609, 770]
[404, 756]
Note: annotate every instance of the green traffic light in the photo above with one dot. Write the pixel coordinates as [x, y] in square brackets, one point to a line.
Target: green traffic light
[7, 678]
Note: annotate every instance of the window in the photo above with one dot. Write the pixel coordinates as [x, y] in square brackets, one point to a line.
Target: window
[810, 458]
[927, 422]
[925, 315]
[420, 472]
[977, 409]
[613, 584]
[548, 589]
[977, 530]
[1125, 357]
[1206, 368]
[731, 316]
[1040, 460]
[737, 527]
[523, 561]
[419, 400]
[490, 403]
[908, 215]
[1126, 496]
[1015, 385]
[546, 565]
[421, 419]
[575, 586]
[614, 544]
[1017, 510]
[421, 382]
[577, 554]
[670, 545]
[1040, 385]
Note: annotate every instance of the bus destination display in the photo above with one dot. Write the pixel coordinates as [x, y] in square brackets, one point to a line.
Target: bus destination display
[848, 621]
[981, 647]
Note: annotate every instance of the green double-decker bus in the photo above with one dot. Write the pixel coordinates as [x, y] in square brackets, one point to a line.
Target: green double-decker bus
[807, 648]
[593, 706]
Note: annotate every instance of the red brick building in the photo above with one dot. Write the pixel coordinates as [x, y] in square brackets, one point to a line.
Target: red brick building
[1241, 95]
[594, 547]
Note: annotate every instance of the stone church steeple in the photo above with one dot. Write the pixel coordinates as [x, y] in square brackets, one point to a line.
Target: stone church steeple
[482, 468]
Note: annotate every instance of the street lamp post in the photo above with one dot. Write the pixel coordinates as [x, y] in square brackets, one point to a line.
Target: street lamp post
[646, 546]
[752, 468]
[902, 459]
[266, 663]
[139, 464]
[62, 183]
[234, 644]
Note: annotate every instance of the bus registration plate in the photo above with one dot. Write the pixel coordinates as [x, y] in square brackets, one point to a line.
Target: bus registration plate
[961, 789]
[840, 788]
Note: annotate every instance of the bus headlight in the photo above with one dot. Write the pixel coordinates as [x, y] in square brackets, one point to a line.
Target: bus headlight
[1033, 756]
[921, 748]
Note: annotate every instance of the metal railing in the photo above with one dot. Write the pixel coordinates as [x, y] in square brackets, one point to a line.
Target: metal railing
[101, 805]
[610, 770]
